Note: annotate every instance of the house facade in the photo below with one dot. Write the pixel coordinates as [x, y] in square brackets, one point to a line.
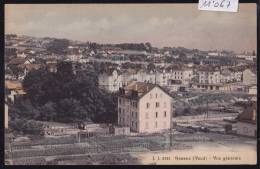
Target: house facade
[252, 90]
[6, 116]
[14, 90]
[144, 108]
[184, 75]
[212, 77]
[249, 77]
[110, 81]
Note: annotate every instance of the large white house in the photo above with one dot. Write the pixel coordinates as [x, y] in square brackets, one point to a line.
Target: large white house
[183, 74]
[246, 57]
[110, 81]
[144, 108]
[209, 75]
[249, 77]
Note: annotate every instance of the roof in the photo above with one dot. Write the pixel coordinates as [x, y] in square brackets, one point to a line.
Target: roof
[236, 69]
[208, 84]
[251, 70]
[140, 87]
[13, 85]
[178, 67]
[130, 71]
[208, 68]
[30, 66]
[136, 90]
[249, 114]
[109, 71]
[17, 61]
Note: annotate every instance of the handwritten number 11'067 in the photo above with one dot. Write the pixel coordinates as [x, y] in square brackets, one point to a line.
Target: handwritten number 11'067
[222, 4]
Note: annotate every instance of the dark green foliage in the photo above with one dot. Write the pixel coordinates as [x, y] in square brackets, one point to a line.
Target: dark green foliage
[135, 46]
[150, 67]
[65, 97]
[58, 46]
[26, 126]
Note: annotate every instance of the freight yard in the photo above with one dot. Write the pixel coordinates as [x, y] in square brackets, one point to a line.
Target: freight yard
[117, 149]
[207, 129]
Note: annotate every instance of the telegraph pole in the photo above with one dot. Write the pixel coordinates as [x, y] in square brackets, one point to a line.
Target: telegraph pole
[207, 107]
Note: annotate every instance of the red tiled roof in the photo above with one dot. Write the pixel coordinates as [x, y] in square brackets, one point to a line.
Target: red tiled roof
[137, 90]
[13, 85]
[140, 87]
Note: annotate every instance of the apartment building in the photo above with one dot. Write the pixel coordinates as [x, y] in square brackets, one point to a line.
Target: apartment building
[144, 108]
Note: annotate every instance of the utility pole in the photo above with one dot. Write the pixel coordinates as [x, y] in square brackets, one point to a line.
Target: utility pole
[207, 106]
[171, 126]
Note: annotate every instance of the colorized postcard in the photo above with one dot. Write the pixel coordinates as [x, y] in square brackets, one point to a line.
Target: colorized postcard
[123, 84]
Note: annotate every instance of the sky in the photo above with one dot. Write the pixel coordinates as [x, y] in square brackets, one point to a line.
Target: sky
[163, 25]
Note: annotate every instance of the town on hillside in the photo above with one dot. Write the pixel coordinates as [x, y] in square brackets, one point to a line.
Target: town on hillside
[73, 102]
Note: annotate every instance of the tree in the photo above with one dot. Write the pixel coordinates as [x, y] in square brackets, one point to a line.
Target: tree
[65, 71]
[66, 97]
[34, 85]
[151, 66]
[47, 112]
[58, 46]
[148, 46]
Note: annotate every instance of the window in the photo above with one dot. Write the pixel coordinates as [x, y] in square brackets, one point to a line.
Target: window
[119, 110]
[147, 105]
[147, 115]
[157, 104]
[132, 114]
[156, 114]
[132, 124]
[119, 101]
[165, 113]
